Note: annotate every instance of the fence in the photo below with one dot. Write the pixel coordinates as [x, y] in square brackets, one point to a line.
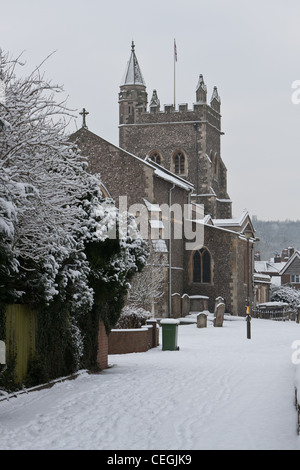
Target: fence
[21, 328]
[274, 311]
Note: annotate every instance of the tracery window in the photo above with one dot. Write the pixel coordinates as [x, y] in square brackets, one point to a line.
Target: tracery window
[202, 266]
[156, 157]
[179, 163]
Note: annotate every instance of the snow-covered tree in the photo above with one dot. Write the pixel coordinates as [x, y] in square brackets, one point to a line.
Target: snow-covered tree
[147, 285]
[57, 251]
[41, 177]
[287, 294]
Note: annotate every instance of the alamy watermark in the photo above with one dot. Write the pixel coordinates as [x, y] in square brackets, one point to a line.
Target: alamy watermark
[296, 94]
[296, 354]
[161, 221]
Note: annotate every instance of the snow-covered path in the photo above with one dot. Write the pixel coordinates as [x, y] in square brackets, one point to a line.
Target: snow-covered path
[219, 391]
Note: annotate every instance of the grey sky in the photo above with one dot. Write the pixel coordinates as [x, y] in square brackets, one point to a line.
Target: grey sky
[249, 50]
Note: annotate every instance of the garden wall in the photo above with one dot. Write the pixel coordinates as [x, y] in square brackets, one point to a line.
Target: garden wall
[124, 341]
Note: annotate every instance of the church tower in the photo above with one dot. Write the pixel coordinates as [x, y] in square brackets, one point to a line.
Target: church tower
[185, 141]
[133, 96]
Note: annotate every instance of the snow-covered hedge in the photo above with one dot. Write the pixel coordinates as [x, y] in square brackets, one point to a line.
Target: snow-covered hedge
[132, 317]
[286, 294]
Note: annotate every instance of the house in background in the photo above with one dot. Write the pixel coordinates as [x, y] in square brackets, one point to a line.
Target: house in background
[290, 273]
[283, 269]
[271, 269]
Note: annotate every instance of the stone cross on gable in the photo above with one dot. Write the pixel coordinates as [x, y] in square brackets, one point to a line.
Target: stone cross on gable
[84, 113]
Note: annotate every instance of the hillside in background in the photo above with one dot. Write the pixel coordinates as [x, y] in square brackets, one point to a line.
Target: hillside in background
[275, 236]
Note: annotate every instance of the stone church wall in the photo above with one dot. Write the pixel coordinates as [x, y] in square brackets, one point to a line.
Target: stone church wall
[226, 251]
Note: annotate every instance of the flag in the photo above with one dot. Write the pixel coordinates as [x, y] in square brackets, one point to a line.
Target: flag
[175, 51]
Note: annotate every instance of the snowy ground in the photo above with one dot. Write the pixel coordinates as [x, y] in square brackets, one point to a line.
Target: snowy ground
[219, 391]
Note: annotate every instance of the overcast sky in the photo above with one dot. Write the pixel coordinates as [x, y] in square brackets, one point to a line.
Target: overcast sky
[249, 50]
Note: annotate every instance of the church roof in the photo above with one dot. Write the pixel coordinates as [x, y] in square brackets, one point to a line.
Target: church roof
[133, 74]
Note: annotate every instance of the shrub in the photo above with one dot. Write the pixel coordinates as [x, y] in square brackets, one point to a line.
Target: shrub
[132, 317]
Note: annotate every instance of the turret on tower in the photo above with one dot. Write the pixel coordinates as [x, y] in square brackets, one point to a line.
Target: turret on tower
[133, 97]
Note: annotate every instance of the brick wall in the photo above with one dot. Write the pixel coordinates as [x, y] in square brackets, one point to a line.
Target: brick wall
[133, 340]
[102, 354]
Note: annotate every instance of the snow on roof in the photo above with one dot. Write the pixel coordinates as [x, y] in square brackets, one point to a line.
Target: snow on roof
[156, 224]
[268, 267]
[152, 207]
[233, 221]
[171, 178]
[159, 246]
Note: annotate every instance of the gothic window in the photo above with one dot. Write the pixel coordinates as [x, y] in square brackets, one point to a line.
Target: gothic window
[155, 157]
[202, 266]
[179, 163]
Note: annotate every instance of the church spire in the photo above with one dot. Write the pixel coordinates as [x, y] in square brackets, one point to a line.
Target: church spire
[133, 74]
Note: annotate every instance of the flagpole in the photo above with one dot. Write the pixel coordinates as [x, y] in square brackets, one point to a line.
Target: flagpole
[175, 53]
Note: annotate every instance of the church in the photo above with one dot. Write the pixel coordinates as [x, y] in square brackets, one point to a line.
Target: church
[168, 165]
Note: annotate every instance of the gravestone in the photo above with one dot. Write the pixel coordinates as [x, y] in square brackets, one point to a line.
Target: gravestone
[185, 305]
[2, 353]
[176, 305]
[199, 303]
[202, 320]
[219, 314]
[218, 301]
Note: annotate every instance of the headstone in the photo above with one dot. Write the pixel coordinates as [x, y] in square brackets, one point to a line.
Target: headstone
[176, 305]
[202, 320]
[185, 305]
[219, 314]
[218, 301]
[2, 353]
[199, 303]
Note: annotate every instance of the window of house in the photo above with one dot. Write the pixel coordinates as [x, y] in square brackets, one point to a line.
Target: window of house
[156, 157]
[295, 278]
[202, 266]
[179, 163]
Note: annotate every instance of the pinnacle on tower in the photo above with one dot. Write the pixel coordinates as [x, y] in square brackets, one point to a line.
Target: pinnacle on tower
[215, 101]
[215, 95]
[154, 103]
[201, 90]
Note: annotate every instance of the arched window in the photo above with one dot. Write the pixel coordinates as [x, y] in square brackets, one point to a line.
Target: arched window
[155, 157]
[202, 266]
[179, 163]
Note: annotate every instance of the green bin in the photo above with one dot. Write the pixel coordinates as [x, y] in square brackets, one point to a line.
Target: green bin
[169, 334]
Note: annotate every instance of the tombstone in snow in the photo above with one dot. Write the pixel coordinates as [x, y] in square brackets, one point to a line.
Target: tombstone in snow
[185, 305]
[176, 305]
[219, 314]
[202, 320]
[199, 303]
[218, 301]
[2, 354]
